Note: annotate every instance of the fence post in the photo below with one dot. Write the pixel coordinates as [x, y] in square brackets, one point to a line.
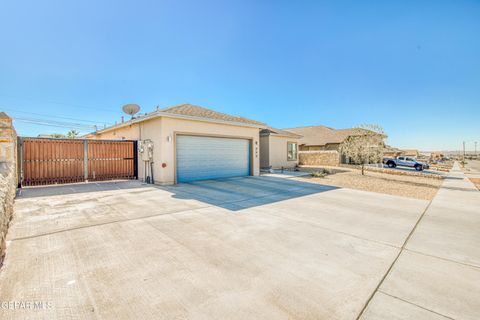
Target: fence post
[85, 160]
[19, 162]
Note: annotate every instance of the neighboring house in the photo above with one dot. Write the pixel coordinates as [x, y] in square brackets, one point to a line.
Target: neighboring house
[411, 153]
[192, 143]
[391, 152]
[435, 156]
[315, 138]
[278, 149]
[327, 143]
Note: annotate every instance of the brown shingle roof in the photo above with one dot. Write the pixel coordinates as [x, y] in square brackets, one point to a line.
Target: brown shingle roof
[279, 132]
[200, 112]
[321, 135]
[189, 111]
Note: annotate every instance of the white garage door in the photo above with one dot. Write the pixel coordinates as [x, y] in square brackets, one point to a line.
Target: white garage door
[202, 158]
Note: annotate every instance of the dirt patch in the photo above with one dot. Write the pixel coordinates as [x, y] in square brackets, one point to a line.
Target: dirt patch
[405, 186]
[476, 182]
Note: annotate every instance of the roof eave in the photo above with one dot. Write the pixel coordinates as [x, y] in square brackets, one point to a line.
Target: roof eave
[194, 118]
[287, 136]
[157, 114]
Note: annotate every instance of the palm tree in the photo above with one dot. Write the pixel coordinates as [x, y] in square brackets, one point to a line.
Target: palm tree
[72, 134]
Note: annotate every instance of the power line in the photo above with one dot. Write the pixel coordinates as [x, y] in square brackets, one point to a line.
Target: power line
[57, 102]
[56, 123]
[50, 125]
[50, 116]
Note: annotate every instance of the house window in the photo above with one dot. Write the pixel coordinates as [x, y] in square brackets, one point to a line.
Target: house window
[292, 151]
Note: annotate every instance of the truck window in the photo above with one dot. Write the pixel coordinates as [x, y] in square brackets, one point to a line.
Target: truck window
[410, 159]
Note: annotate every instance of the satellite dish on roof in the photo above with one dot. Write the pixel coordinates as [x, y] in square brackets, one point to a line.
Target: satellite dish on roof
[131, 108]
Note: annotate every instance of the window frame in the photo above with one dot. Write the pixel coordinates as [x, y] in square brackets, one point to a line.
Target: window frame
[295, 158]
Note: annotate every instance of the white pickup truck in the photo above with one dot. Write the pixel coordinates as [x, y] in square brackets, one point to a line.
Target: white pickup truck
[410, 162]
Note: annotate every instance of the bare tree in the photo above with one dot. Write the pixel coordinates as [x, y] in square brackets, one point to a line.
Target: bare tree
[72, 134]
[364, 145]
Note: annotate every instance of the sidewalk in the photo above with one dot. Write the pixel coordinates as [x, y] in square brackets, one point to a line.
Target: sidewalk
[437, 275]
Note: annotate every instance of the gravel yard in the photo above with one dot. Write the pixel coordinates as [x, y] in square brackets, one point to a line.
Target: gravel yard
[472, 170]
[405, 186]
[476, 182]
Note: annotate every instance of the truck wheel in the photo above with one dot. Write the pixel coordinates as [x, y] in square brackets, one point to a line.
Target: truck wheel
[418, 167]
[391, 164]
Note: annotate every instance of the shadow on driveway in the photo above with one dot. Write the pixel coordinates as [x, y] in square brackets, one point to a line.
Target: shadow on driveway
[232, 193]
[245, 192]
[65, 189]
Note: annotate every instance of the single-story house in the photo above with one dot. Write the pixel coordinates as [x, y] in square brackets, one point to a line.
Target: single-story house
[411, 153]
[278, 149]
[391, 152]
[315, 138]
[194, 143]
[321, 145]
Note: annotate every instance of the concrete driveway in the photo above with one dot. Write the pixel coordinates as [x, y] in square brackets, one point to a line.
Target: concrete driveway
[243, 248]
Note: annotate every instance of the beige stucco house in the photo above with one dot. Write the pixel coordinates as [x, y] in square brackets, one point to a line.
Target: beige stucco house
[194, 143]
[278, 149]
[191, 143]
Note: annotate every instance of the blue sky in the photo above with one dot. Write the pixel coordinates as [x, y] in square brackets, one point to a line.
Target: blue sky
[411, 66]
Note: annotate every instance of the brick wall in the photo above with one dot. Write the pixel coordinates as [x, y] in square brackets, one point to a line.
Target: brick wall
[8, 177]
[319, 158]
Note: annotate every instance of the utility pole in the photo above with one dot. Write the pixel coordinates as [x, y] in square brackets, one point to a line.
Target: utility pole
[475, 149]
[463, 162]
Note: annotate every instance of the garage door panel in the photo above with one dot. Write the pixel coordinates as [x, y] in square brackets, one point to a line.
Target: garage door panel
[202, 158]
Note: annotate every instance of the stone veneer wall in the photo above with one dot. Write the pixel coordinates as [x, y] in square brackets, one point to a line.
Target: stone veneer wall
[319, 158]
[8, 177]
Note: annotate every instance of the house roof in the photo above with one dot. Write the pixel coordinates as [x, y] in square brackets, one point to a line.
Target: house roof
[280, 132]
[189, 112]
[201, 112]
[322, 135]
[388, 148]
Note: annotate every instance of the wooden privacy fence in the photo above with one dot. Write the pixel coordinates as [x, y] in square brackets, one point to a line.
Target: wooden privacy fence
[52, 161]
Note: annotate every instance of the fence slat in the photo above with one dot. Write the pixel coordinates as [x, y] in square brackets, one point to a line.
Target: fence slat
[52, 161]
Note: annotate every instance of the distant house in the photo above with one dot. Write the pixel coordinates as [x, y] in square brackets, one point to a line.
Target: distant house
[411, 153]
[315, 138]
[435, 156]
[322, 138]
[391, 152]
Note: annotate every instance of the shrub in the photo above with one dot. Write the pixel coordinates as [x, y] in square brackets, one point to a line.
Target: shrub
[320, 174]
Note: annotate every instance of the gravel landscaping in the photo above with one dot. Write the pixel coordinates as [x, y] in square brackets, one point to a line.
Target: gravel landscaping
[405, 186]
[472, 170]
[476, 182]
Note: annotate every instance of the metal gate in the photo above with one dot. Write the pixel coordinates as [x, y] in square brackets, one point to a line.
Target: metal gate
[53, 161]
